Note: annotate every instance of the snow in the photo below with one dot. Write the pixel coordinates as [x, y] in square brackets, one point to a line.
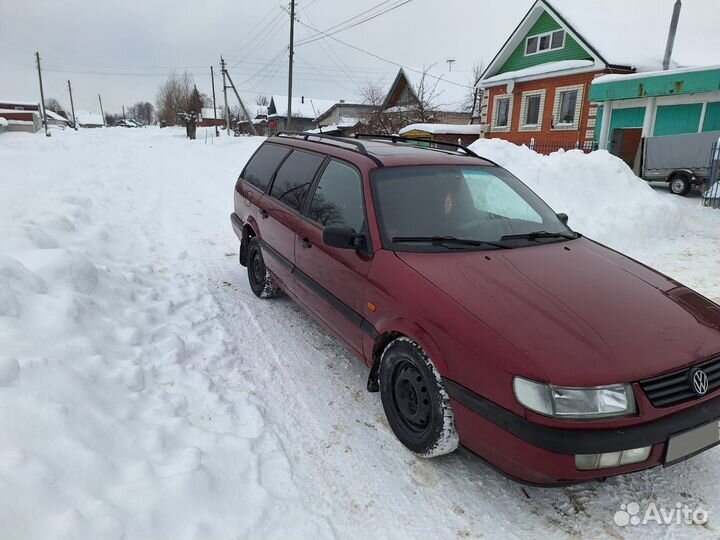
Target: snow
[56, 116]
[146, 393]
[302, 107]
[588, 187]
[445, 129]
[630, 76]
[3, 122]
[550, 67]
[208, 112]
[635, 33]
[15, 102]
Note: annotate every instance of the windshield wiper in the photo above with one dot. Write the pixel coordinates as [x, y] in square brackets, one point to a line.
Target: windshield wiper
[538, 234]
[447, 240]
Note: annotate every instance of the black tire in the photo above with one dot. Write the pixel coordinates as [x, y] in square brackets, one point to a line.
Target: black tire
[261, 282]
[680, 184]
[416, 405]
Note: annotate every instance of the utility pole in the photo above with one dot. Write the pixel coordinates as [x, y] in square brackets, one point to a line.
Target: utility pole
[212, 79]
[42, 94]
[290, 64]
[72, 106]
[123, 112]
[101, 110]
[227, 113]
[242, 105]
[671, 34]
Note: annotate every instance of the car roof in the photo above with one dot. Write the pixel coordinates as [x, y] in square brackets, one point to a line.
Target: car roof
[383, 151]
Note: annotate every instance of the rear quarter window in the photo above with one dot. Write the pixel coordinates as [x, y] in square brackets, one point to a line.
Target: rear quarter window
[259, 171]
[294, 178]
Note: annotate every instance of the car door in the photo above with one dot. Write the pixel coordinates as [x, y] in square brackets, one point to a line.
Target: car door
[332, 281]
[279, 211]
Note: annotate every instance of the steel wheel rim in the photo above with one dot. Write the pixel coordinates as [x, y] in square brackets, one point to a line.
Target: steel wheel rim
[678, 186]
[411, 398]
[258, 271]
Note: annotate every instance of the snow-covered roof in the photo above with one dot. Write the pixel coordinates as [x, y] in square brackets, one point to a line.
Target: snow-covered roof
[532, 71]
[302, 107]
[634, 33]
[20, 103]
[649, 74]
[55, 116]
[86, 118]
[207, 112]
[444, 129]
[15, 111]
[346, 122]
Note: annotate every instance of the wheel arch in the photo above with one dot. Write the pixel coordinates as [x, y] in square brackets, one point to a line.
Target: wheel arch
[411, 331]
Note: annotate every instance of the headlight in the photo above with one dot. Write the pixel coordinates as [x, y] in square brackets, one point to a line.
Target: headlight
[561, 402]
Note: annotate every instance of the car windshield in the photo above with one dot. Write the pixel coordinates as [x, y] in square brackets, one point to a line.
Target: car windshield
[440, 208]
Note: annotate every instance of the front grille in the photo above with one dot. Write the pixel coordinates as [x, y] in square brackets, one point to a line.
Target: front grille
[676, 387]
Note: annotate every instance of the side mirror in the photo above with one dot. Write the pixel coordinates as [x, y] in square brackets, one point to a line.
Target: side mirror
[563, 217]
[342, 238]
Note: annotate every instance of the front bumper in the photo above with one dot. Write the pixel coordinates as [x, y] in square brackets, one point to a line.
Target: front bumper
[540, 454]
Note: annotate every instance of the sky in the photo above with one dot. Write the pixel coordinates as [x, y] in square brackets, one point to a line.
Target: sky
[124, 49]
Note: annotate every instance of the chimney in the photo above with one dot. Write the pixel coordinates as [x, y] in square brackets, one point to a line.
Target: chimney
[302, 98]
[671, 34]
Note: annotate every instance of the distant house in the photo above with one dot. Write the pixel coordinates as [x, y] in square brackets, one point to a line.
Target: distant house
[304, 111]
[88, 119]
[343, 119]
[21, 115]
[128, 123]
[436, 97]
[208, 117]
[536, 89]
[55, 119]
[451, 133]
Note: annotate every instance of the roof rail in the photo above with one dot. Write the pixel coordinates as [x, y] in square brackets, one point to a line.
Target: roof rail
[330, 140]
[396, 139]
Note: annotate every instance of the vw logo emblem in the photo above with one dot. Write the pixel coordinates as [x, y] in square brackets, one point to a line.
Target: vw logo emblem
[699, 381]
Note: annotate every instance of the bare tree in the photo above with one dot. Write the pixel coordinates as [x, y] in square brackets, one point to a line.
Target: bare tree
[262, 101]
[473, 101]
[174, 97]
[373, 94]
[423, 108]
[52, 104]
[142, 112]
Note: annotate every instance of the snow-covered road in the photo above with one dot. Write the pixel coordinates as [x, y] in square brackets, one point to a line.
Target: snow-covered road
[146, 393]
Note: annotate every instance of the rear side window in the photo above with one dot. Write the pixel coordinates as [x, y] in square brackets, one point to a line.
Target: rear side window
[294, 178]
[338, 199]
[263, 165]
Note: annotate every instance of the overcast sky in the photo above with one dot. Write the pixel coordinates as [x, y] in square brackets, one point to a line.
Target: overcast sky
[123, 49]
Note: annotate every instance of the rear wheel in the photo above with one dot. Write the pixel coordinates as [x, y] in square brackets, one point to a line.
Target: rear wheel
[261, 282]
[680, 184]
[416, 405]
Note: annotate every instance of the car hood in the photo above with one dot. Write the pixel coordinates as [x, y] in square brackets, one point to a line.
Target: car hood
[582, 313]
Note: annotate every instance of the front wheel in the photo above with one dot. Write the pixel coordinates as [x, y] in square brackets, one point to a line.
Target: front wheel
[261, 282]
[680, 185]
[416, 405]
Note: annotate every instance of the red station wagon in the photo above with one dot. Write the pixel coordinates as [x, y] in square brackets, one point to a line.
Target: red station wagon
[484, 319]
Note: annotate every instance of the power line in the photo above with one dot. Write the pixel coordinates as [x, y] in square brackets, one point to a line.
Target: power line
[369, 18]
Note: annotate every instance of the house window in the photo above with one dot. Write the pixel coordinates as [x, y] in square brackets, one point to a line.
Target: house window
[531, 111]
[549, 41]
[568, 104]
[502, 112]
[567, 107]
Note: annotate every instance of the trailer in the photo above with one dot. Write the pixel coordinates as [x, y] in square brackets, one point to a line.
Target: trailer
[683, 161]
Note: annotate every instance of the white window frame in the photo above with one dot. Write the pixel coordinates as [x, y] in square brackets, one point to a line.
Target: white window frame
[496, 100]
[557, 125]
[550, 48]
[524, 126]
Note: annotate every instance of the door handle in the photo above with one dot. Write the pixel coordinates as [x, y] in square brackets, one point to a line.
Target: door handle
[263, 213]
[306, 242]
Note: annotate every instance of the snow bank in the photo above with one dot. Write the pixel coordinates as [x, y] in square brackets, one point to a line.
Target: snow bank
[113, 422]
[602, 196]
